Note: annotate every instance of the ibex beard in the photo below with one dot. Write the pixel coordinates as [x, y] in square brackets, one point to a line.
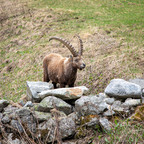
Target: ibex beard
[63, 70]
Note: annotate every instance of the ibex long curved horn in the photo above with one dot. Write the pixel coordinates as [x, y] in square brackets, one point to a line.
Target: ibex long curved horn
[67, 44]
[81, 45]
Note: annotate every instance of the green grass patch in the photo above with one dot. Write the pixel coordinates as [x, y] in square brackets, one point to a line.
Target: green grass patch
[122, 132]
[125, 18]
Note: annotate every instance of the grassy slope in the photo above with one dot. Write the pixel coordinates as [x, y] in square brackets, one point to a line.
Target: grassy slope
[122, 16]
[112, 29]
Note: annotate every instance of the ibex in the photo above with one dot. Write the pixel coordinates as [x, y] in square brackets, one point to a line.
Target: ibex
[60, 69]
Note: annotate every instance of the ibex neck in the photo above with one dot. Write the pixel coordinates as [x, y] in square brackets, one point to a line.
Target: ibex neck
[70, 70]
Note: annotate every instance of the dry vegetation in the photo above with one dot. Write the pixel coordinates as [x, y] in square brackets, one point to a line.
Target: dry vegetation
[24, 35]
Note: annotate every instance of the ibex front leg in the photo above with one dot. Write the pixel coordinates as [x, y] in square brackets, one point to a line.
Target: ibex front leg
[71, 85]
[62, 85]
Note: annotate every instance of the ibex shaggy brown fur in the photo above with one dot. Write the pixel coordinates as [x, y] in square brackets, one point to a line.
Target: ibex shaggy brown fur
[63, 70]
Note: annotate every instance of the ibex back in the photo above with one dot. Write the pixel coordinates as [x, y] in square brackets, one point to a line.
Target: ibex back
[63, 70]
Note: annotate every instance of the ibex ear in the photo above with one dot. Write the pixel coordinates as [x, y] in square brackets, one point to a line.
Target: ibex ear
[71, 58]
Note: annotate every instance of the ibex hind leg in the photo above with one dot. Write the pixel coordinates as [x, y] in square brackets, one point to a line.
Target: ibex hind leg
[45, 73]
[45, 77]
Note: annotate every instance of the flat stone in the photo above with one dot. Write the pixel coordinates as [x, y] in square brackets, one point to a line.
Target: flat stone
[45, 116]
[90, 105]
[9, 109]
[28, 104]
[1, 115]
[23, 112]
[109, 101]
[117, 107]
[42, 116]
[109, 113]
[93, 122]
[34, 88]
[129, 102]
[105, 123]
[5, 119]
[65, 93]
[16, 125]
[22, 102]
[51, 102]
[3, 104]
[120, 88]
[102, 95]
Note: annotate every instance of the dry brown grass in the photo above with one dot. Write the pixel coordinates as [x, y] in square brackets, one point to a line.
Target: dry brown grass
[14, 8]
[106, 58]
[24, 42]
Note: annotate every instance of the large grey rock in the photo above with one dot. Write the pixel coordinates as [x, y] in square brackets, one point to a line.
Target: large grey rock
[34, 88]
[90, 105]
[66, 128]
[65, 93]
[67, 125]
[120, 88]
[105, 123]
[139, 82]
[51, 102]
[46, 130]
[3, 104]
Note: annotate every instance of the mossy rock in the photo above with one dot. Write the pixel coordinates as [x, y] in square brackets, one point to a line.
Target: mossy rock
[139, 113]
[86, 119]
[81, 131]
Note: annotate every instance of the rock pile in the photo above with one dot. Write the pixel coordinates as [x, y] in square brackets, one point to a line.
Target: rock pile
[55, 114]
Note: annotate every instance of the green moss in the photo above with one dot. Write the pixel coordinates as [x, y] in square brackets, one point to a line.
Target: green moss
[139, 114]
[81, 131]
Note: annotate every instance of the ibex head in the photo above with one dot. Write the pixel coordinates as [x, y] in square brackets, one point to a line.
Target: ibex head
[76, 58]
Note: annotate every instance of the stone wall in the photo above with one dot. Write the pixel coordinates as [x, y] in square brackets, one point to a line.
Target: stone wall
[51, 115]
